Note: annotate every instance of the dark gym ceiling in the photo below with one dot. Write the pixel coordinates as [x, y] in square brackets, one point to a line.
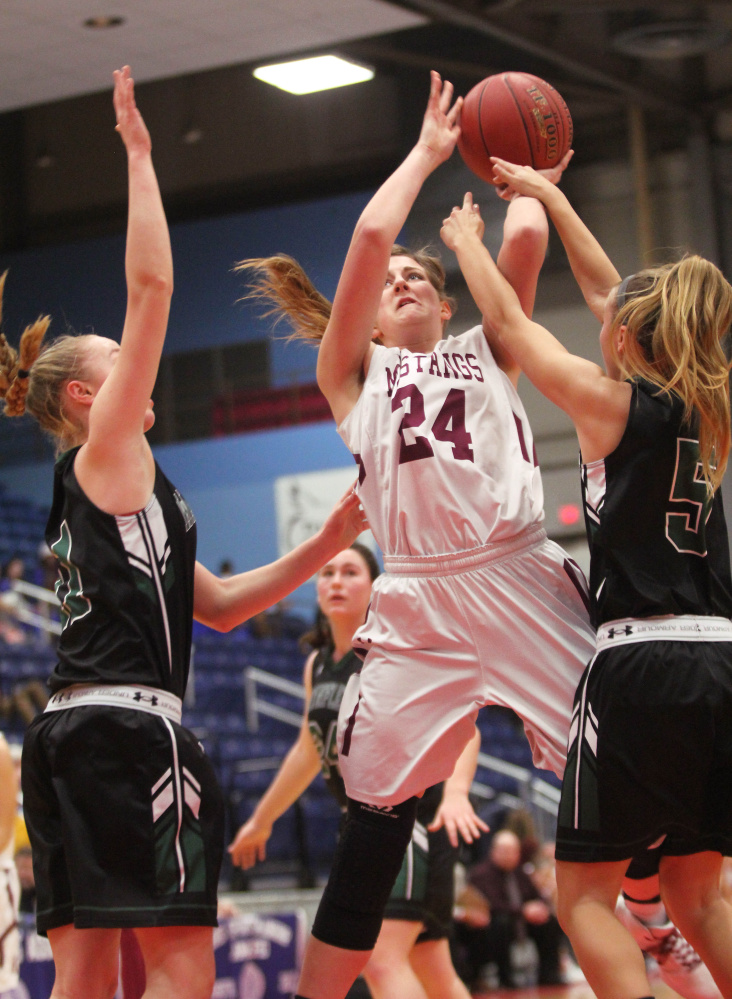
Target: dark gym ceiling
[223, 141]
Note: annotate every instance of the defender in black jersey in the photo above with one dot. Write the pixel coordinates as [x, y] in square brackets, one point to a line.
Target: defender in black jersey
[650, 747]
[418, 915]
[123, 810]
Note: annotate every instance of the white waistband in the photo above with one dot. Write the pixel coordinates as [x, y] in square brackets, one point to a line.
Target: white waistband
[138, 698]
[451, 563]
[681, 628]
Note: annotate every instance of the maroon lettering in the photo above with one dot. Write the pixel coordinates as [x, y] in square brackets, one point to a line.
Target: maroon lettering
[391, 379]
[450, 425]
[522, 442]
[434, 366]
[475, 368]
[450, 368]
[411, 400]
[459, 361]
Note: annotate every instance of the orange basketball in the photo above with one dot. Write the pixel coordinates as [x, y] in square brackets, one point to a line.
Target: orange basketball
[517, 117]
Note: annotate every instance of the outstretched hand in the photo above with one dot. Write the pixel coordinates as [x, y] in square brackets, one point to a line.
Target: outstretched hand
[511, 179]
[250, 844]
[441, 123]
[459, 818]
[462, 220]
[129, 120]
[345, 521]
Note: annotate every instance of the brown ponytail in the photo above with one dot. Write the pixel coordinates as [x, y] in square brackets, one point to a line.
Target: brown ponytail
[283, 286]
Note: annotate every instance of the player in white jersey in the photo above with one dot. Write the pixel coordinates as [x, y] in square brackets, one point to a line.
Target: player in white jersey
[9, 884]
[475, 601]
[475, 605]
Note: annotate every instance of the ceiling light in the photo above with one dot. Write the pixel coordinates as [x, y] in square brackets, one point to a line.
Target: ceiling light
[104, 21]
[306, 76]
[671, 39]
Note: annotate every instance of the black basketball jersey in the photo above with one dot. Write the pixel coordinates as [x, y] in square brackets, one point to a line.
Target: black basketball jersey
[329, 682]
[658, 542]
[125, 586]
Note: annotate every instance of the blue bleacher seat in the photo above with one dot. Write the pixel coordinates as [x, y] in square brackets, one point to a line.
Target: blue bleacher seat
[218, 691]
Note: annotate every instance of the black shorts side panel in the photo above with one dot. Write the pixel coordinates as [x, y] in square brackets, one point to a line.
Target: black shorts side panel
[430, 897]
[125, 817]
[650, 753]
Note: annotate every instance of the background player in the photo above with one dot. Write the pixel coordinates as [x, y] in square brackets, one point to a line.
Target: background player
[411, 958]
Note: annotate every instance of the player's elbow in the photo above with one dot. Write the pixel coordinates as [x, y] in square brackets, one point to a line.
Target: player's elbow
[371, 235]
[528, 240]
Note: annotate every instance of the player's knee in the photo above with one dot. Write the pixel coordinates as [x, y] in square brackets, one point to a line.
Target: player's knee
[191, 980]
[377, 971]
[366, 864]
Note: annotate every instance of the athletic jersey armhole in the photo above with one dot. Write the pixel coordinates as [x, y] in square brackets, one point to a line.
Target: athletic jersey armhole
[350, 426]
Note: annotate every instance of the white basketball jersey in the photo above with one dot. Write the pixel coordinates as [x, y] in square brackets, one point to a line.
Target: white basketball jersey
[9, 934]
[445, 453]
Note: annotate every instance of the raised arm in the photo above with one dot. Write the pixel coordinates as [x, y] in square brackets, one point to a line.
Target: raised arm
[116, 461]
[598, 405]
[225, 603]
[346, 345]
[299, 769]
[591, 266]
[520, 258]
[522, 253]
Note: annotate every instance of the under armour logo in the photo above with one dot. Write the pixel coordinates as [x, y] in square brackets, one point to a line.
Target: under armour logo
[627, 630]
[139, 696]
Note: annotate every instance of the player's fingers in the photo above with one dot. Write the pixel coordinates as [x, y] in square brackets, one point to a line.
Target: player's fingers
[453, 114]
[435, 86]
[468, 200]
[446, 96]
[564, 162]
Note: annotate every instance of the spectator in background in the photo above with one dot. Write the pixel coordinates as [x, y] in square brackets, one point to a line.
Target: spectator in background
[11, 602]
[46, 576]
[277, 622]
[521, 822]
[25, 701]
[502, 909]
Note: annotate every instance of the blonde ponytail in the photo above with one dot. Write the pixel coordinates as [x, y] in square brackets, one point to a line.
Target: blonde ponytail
[15, 366]
[677, 318]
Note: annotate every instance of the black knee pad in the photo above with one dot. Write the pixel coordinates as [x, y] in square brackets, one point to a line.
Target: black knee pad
[366, 864]
[645, 864]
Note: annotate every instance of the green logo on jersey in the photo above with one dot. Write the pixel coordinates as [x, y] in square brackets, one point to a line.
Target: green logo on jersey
[69, 587]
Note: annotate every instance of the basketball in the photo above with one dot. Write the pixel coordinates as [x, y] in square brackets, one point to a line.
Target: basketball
[517, 117]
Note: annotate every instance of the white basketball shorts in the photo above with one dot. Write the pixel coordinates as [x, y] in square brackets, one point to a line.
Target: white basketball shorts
[502, 624]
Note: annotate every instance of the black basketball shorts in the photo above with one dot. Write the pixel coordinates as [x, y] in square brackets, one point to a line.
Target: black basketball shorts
[650, 753]
[125, 818]
[424, 889]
